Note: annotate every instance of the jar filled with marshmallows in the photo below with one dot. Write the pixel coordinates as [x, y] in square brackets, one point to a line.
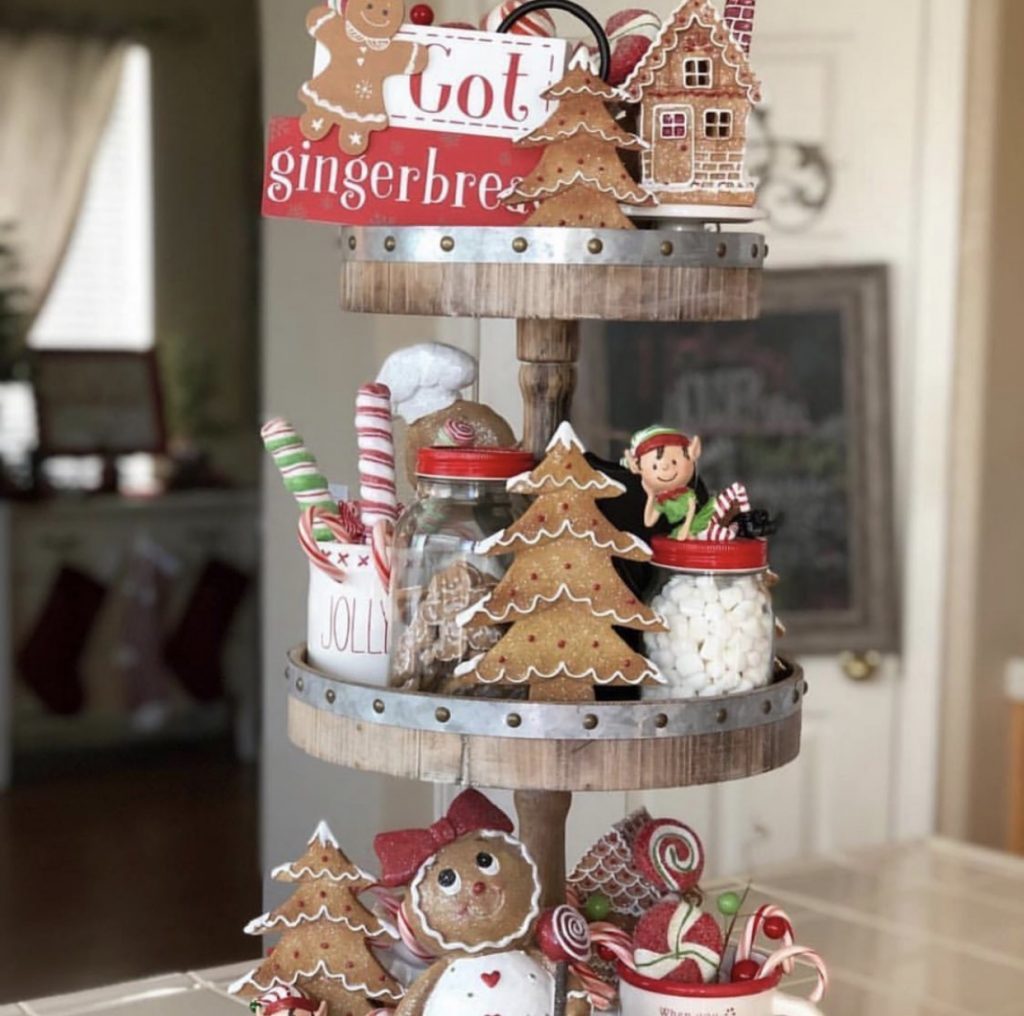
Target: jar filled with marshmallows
[716, 601]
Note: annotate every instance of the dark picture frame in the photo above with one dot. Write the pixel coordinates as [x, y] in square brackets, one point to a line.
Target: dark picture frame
[98, 402]
[799, 406]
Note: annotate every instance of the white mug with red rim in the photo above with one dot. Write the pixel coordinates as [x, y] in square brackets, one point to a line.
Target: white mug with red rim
[644, 996]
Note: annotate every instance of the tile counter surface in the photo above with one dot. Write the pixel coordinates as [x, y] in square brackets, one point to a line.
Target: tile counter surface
[924, 929]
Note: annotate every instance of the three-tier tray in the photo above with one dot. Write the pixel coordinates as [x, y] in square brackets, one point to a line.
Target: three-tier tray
[548, 280]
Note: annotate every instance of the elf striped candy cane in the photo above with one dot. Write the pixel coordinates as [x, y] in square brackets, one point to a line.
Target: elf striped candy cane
[785, 958]
[732, 500]
[299, 471]
[378, 499]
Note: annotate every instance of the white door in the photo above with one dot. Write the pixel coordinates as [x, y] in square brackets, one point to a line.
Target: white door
[868, 765]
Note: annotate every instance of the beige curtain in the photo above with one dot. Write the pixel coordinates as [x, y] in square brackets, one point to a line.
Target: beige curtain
[56, 92]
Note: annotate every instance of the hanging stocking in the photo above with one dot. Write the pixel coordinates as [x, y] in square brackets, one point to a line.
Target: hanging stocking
[194, 649]
[142, 601]
[50, 658]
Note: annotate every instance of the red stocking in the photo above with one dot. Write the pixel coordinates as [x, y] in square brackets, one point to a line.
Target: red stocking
[49, 658]
[194, 649]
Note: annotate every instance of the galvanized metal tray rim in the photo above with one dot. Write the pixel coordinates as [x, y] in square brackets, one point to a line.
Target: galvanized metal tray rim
[479, 717]
[662, 248]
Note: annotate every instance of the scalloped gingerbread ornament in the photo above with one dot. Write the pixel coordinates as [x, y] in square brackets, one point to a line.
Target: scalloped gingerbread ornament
[562, 594]
[580, 180]
[324, 951]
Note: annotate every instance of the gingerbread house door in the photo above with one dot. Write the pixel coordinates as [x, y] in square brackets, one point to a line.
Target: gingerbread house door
[672, 144]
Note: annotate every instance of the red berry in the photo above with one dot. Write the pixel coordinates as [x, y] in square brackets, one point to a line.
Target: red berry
[422, 14]
[776, 927]
[745, 970]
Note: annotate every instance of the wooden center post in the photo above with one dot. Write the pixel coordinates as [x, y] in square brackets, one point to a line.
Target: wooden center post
[548, 351]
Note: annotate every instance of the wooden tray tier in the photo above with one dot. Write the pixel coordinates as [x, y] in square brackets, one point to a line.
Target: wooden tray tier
[543, 746]
[553, 274]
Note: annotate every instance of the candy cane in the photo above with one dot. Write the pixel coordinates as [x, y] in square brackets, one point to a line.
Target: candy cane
[298, 468]
[382, 537]
[611, 942]
[785, 958]
[755, 924]
[311, 522]
[378, 500]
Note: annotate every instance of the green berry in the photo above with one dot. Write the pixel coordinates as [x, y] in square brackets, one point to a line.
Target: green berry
[597, 907]
[729, 904]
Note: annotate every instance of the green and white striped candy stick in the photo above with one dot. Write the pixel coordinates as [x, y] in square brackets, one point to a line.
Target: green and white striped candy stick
[299, 470]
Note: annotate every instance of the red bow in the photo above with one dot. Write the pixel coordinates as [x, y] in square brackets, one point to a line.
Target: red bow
[402, 853]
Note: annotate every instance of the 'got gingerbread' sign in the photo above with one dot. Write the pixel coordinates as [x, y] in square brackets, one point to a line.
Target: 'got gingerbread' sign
[409, 124]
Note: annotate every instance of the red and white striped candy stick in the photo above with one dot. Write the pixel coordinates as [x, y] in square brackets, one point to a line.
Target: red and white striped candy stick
[785, 958]
[756, 925]
[378, 499]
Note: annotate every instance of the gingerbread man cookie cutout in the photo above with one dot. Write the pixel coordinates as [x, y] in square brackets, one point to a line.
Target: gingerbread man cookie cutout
[473, 902]
[349, 92]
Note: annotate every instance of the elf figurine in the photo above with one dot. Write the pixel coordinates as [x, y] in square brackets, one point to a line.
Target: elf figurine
[666, 462]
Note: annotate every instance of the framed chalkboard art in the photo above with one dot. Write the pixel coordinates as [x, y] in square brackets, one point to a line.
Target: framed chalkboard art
[797, 405]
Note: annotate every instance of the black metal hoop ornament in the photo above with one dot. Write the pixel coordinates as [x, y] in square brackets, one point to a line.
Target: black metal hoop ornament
[603, 47]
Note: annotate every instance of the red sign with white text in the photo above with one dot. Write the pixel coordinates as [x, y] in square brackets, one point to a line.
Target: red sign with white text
[405, 178]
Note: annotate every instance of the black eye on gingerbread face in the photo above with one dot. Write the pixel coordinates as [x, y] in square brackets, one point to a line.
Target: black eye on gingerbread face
[480, 892]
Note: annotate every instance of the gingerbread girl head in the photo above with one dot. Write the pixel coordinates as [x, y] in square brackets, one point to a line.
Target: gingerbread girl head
[472, 886]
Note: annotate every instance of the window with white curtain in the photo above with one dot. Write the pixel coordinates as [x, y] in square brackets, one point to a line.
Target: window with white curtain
[102, 296]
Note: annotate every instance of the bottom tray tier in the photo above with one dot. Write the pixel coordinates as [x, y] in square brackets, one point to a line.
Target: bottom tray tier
[543, 746]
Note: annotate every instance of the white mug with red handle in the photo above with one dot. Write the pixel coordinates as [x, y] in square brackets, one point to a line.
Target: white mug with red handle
[644, 996]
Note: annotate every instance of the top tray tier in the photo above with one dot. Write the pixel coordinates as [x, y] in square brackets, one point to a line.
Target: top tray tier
[553, 274]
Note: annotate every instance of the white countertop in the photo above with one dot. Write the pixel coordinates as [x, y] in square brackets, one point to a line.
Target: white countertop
[925, 929]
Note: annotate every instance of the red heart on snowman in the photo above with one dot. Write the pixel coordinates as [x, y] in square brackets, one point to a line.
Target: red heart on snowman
[677, 942]
[492, 978]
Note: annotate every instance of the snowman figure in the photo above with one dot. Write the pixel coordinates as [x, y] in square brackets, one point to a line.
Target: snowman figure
[473, 901]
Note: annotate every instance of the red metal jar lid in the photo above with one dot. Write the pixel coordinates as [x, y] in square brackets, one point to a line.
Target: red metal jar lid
[710, 555]
[473, 463]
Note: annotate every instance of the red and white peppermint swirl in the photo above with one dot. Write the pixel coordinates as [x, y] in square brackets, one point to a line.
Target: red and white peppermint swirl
[537, 23]
[459, 433]
[565, 935]
[675, 853]
[378, 498]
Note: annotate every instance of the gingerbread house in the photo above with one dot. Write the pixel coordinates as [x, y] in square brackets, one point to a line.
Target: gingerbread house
[695, 90]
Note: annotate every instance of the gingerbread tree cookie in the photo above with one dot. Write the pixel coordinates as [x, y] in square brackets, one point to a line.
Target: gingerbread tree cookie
[562, 594]
[580, 180]
[324, 949]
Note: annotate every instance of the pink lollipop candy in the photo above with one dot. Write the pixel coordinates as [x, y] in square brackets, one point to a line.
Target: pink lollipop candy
[564, 935]
[669, 854]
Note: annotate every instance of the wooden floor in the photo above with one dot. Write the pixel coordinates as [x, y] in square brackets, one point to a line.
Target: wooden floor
[122, 868]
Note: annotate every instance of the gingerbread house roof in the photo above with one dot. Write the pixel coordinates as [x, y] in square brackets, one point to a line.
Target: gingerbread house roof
[688, 13]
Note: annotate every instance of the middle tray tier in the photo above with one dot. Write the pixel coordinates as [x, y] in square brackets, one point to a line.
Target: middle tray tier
[543, 745]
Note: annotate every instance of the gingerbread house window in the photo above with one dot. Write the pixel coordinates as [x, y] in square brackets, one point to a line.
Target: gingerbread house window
[697, 72]
[717, 123]
[673, 126]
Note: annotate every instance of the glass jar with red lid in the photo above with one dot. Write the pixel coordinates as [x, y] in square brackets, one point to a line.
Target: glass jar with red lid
[715, 598]
[461, 498]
